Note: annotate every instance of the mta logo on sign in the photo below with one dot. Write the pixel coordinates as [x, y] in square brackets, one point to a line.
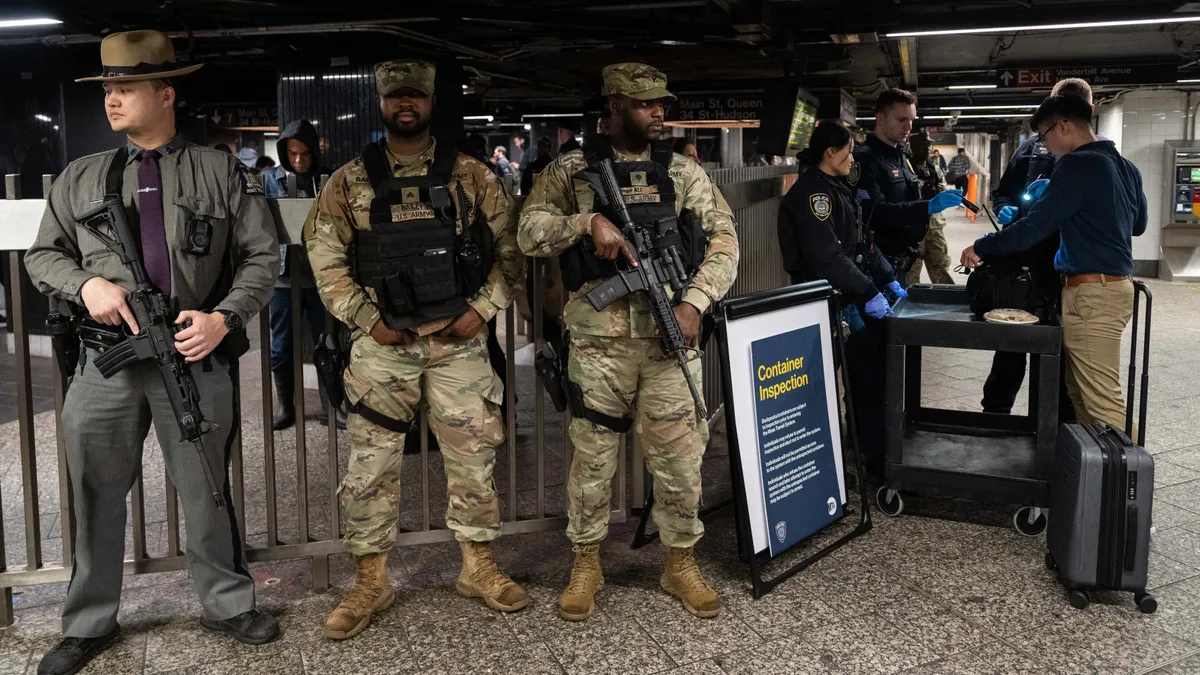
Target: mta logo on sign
[831, 505]
[781, 530]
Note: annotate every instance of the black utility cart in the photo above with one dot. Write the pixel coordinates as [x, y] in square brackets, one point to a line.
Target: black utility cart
[974, 455]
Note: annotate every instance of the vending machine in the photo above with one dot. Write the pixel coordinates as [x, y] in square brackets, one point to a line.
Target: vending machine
[1180, 258]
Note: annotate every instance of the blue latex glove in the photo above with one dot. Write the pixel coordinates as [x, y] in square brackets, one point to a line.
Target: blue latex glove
[1006, 214]
[853, 319]
[1035, 189]
[894, 287]
[945, 200]
[878, 307]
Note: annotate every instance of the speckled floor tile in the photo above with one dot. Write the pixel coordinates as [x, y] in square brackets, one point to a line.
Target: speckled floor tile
[1185, 666]
[1008, 606]
[372, 652]
[441, 644]
[991, 659]
[14, 661]
[1166, 516]
[526, 659]
[1178, 614]
[868, 645]
[287, 662]
[698, 668]
[858, 588]
[1164, 571]
[786, 655]
[934, 625]
[686, 638]
[1103, 639]
[607, 645]
[784, 612]
[1188, 457]
[186, 643]
[1168, 473]
[1178, 543]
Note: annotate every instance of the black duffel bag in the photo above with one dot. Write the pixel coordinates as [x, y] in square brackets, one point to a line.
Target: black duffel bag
[1004, 283]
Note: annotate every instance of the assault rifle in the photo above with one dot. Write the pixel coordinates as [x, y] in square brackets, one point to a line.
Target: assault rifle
[155, 338]
[657, 268]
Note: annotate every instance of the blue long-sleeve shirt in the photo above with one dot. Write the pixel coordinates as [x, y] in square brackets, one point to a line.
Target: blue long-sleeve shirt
[1096, 203]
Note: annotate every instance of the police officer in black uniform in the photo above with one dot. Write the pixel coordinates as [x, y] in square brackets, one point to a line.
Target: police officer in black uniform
[893, 207]
[821, 235]
[1029, 170]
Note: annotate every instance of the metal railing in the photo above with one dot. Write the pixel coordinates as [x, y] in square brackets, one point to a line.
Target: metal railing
[300, 518]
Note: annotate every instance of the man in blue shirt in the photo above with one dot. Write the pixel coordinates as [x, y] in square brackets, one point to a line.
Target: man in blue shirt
[1096, 204]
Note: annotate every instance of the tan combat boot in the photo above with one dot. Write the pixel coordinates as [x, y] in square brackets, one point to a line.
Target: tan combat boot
[578, 601]
[682, 579]
[480, 578]
[372, 593]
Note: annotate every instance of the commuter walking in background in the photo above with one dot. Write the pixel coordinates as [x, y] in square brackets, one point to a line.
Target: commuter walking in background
[299, 151]
[957, 174]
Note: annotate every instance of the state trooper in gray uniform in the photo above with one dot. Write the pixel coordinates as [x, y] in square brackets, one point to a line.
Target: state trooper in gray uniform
[209, 244]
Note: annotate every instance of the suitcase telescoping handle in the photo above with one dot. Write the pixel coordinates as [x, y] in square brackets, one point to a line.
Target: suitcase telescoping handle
[1138, 287]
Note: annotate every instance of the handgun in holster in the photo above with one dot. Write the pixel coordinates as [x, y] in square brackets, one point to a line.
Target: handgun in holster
[63, 326]
[552, 370]
[331, 356]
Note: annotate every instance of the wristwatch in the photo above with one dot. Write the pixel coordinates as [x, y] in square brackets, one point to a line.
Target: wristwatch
[232, 321]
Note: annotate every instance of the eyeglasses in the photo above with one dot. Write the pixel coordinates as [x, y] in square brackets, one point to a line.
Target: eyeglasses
[1042, 136]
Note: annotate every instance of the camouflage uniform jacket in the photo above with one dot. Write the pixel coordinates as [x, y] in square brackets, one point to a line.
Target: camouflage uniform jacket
[197, 182]
[344, 206]
[559, 211]
[933, 180]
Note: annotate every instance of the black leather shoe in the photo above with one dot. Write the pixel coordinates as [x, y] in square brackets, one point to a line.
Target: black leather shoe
[252, 628]
[72, 654]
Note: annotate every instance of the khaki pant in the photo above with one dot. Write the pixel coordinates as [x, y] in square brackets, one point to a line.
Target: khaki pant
[456, 380]
[934, 252]
[620, 376]
[1094, 316]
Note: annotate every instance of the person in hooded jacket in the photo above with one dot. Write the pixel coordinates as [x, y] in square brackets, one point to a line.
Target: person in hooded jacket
[821, 235]
[299, 153]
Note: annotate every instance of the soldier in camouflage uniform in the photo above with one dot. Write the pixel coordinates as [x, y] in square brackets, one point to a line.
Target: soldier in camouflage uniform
[444, 361]
[615, 357]
[933, 249]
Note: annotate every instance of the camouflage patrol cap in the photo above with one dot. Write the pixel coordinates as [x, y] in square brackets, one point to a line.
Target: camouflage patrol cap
[635, 80]
[391, 76]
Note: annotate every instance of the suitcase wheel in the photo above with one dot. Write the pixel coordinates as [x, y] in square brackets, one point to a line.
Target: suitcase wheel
[1080, 599]
[1030, 521]
[889, 501]
[1050, 564]
[1146, 603]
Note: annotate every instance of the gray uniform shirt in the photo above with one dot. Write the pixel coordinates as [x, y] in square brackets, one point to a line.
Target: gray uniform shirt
[197, 182]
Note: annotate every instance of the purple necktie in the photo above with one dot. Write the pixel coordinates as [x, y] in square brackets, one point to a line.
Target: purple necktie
[154, 230]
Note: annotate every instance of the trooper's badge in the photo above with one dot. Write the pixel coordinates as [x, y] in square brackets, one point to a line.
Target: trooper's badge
[781, 530]
[855, 174]
[821, 206]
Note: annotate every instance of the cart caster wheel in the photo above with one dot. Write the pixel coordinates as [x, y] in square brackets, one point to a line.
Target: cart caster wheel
[1030, 521]
[1146, 603]
[889, 507]
[1080, 599]
[1050, 564]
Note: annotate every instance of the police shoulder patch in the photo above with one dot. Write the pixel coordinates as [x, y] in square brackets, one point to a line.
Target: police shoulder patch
[251, 182]
[855, 174]
[821, 205]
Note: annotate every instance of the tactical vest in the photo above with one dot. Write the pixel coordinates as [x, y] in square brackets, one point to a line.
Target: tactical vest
[649, 195]
[414, 256]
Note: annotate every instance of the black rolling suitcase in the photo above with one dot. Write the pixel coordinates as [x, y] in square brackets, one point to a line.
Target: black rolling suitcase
[1100, 497]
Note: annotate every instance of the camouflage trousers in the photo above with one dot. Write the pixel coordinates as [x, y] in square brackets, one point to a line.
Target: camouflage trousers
[463, 395]
[934, 252]
[618, 374]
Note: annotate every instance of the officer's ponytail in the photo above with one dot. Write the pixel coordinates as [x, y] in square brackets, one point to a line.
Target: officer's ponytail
[827, 134]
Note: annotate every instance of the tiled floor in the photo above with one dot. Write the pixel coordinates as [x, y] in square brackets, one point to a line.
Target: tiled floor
[949, 587]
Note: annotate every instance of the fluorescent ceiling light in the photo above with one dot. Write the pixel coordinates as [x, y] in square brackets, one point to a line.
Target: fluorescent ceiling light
[344, 77]
[22, 23]
[529, 117]
[528, 127]
[1186, 81]
[1048, 26]
[43, 118]
[987, 107]
[961, 117]
[299, 78]
[972, 86]
[345, 117]
[484, 118]
[56, 127]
